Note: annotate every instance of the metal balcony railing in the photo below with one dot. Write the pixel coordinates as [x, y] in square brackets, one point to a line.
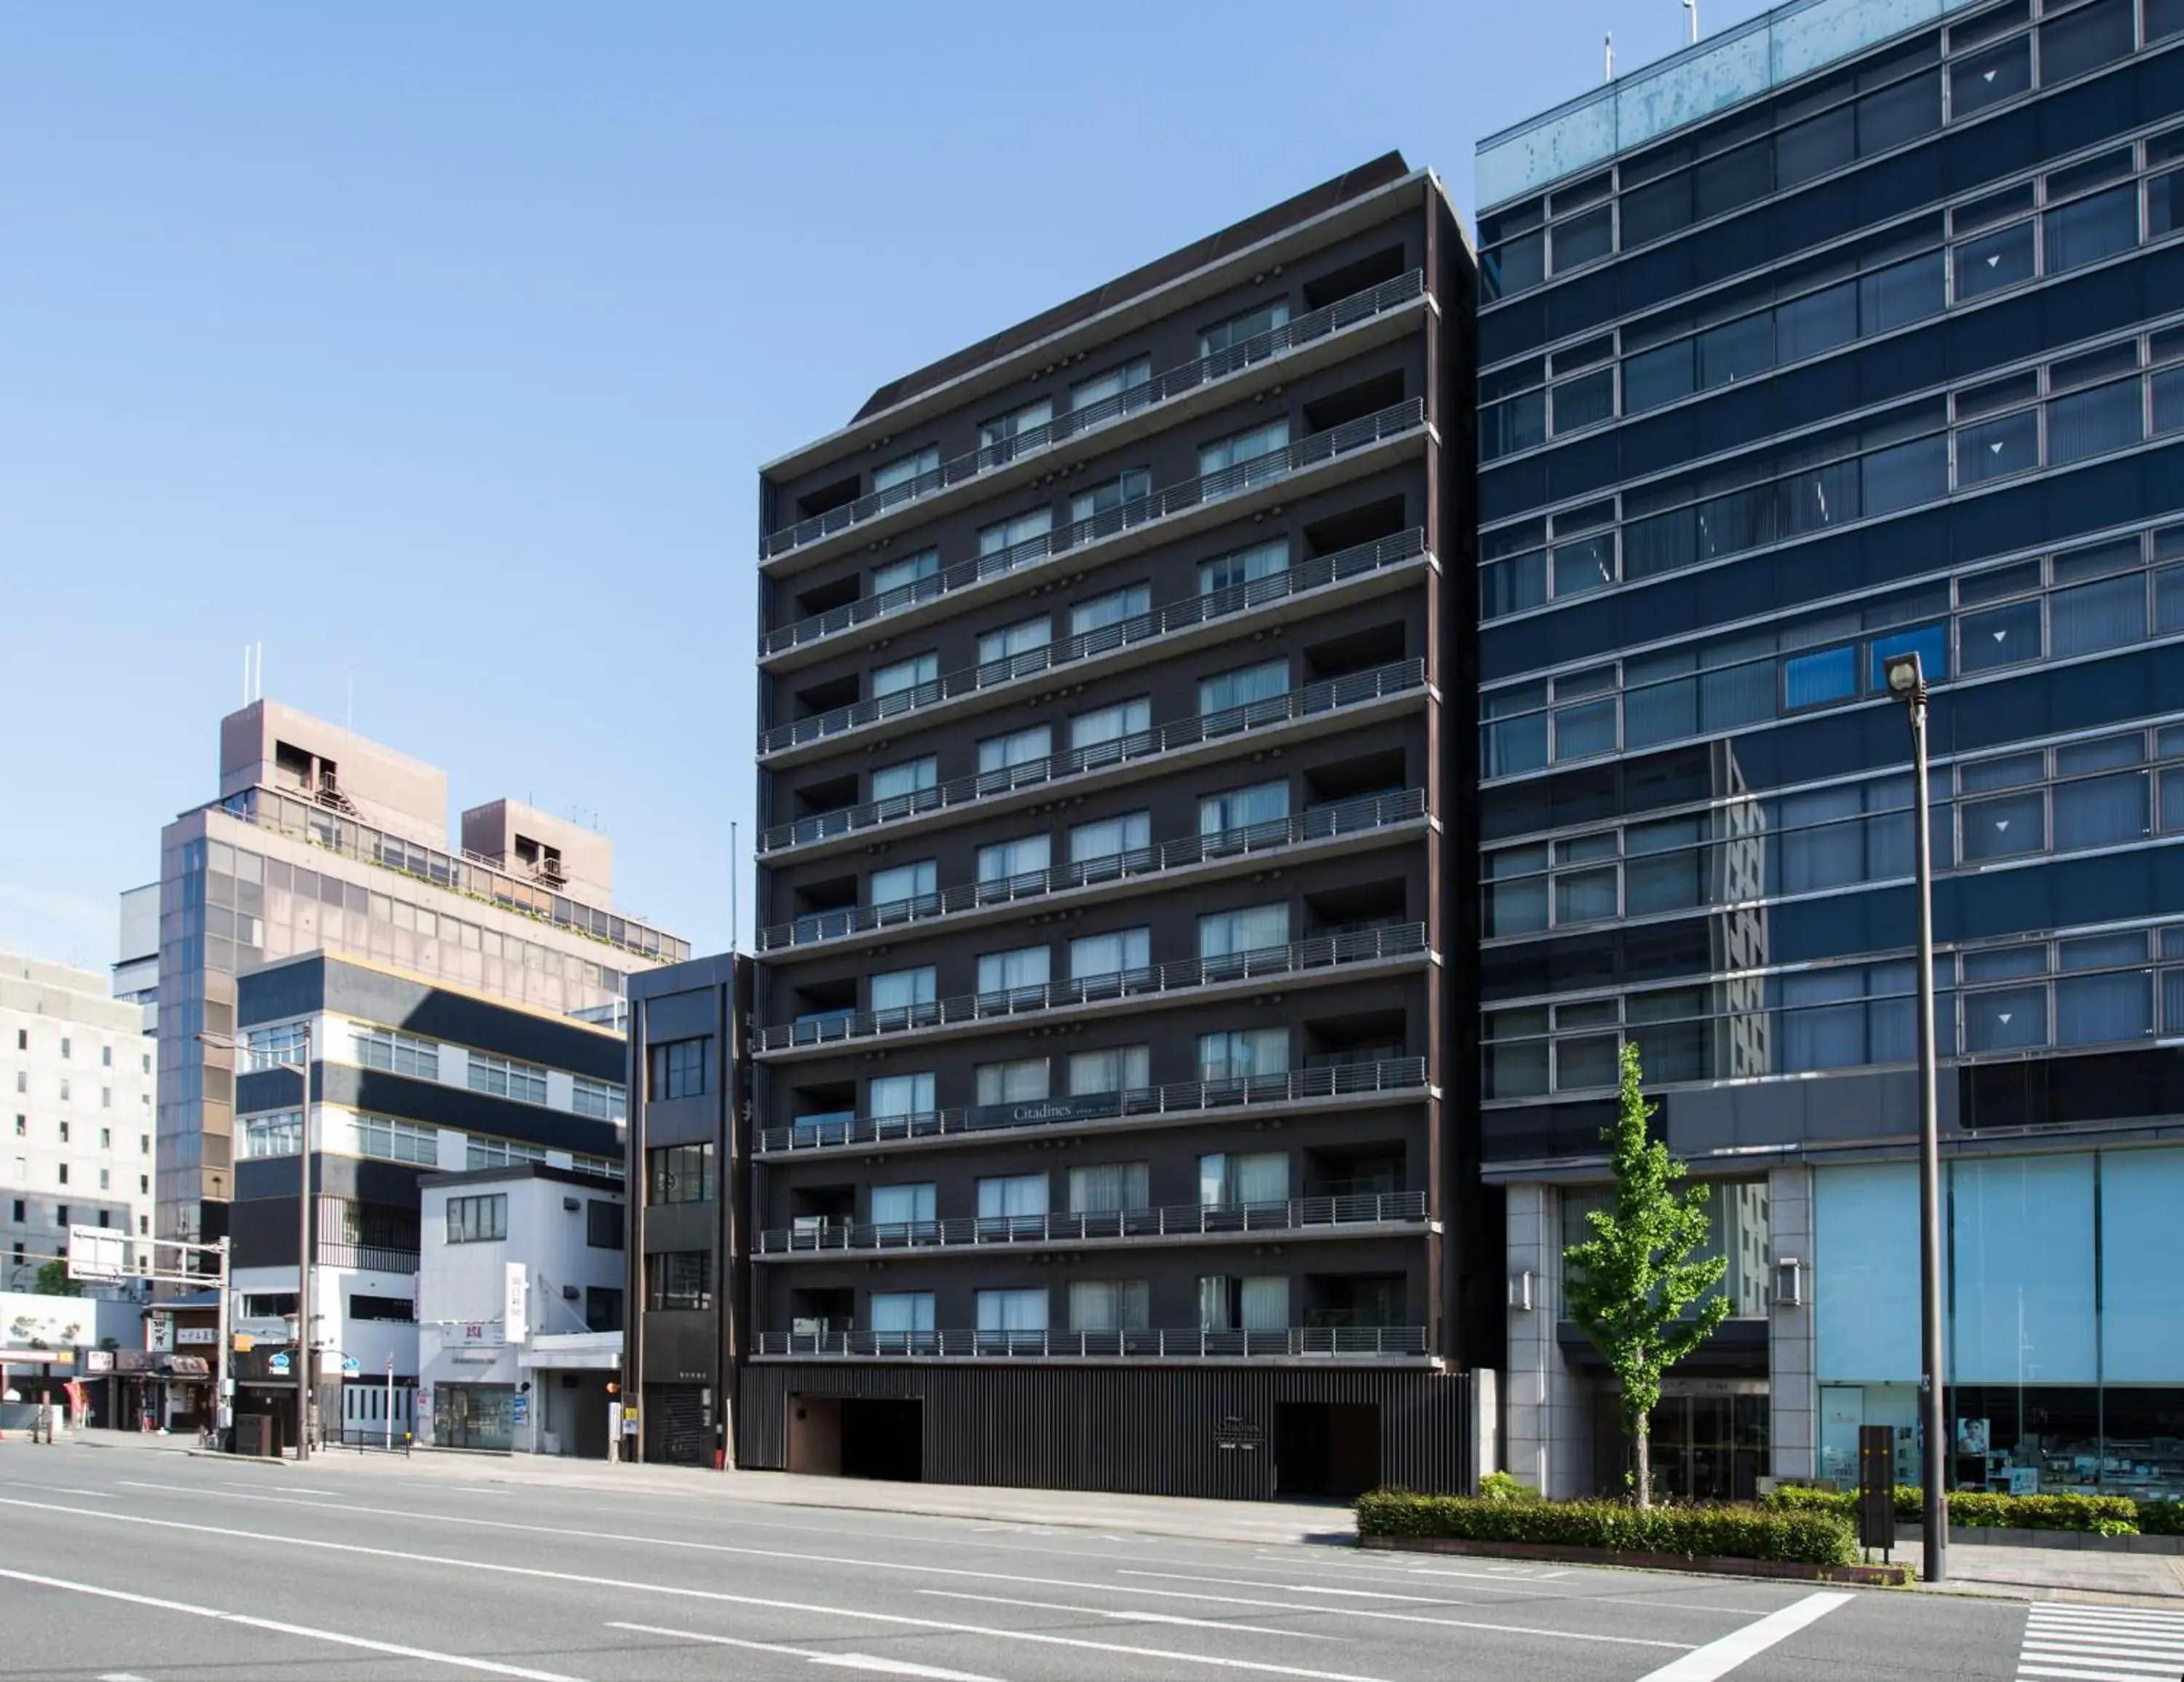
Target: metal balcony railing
[1274, 1343]
[1177, 1220]
[1321, 823]
[1322, 951]
[1355, 688]
[1180, 616]
[1190, 376]
[1178, 1098]
[371, 1258]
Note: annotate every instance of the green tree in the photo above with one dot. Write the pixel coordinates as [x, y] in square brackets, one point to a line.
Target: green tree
[53, 1280]
[1634, 1285]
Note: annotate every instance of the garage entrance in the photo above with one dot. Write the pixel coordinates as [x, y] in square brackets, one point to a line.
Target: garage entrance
[1327, 1448]
[857, 1437]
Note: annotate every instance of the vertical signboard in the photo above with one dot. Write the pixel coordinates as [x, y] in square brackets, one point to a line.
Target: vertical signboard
[513, 1315]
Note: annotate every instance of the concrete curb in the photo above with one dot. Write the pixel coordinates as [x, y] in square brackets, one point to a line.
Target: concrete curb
[1868, 1576]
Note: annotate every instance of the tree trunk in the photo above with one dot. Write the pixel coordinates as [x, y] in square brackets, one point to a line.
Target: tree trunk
[1645, 1463]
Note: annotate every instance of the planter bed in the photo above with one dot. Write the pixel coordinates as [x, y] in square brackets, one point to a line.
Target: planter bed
[1876, 1576]
[1973, 1536]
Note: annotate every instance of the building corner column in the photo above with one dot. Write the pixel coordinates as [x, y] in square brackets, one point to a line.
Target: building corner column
[1792, 1435]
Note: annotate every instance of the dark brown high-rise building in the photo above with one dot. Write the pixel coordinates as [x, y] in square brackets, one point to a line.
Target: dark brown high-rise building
[1116, 881]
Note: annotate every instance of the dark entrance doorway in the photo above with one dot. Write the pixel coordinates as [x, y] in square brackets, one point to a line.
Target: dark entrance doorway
[884, 1440]
[1327, 1448]
[1708, 1440]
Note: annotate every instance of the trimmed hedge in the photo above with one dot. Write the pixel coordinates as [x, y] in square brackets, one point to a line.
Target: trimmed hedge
[1976, 1510]
[2161, 1517]
[1809, 1538]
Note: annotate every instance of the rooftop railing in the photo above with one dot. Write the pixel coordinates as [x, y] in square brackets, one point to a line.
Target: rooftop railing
[1180, 616]
[1355, 688]
[1321, 823]
[1180, 1220]
[1176, 1099]
[1323, 951]
[1190, 376]
[306, 820]
[1273, 1344]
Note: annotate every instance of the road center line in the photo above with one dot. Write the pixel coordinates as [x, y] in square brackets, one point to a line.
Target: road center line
[279, 1628]
[1717, 1658]
[891, 1667]
[1132, 1616]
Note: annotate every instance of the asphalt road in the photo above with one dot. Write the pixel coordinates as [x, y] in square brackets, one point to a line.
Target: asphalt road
[162, 1568]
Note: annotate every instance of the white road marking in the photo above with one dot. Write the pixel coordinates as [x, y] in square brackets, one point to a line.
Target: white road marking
[1131, 1617]
[924, 1570]
[891, 1666]
[54, 1488]
[333, 1635]
[122, 1676]
[1717, 1658]
[2101, 1644]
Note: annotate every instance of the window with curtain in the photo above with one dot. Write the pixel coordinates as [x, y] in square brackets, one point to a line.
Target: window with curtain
[1108, 837]
[2006, 1019]
[1109, 1305]
[899, 782]
[1821, 845]
[904, 674]
[1024, 967]
[2141, 1257]
[1241, 1053]
[2094, 422]
[1247, 449]
[899, 1206]
[1022, 1080]
[1011, 1310]
[1104, 1188]
[1229, 1179]
[1012, 1197]
[1110, 724]
[1104, 502]
[2102, 811]
[897, 1312]
[1241, 808]
[2004, 827]
[1244, 567]
[1120, 1068]
[1026, 856]
[1117, 607]
[1017, 748]
[679, 1279]
[1241, 688]
[2001, 636]
[901, 574]
[1002, 436]
[1024, 528]
[2100, 1010]
[1123, 950]
[2092, 228]
[915, 881]
[1012, 640]
[903, 989]
[1111, 383]
[1254, 928]
[910, 1095]
[1238, 329]
[2100, 615]
[1263, 1304]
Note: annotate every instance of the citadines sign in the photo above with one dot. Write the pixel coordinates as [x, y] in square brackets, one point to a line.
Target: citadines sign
[1033, 1111]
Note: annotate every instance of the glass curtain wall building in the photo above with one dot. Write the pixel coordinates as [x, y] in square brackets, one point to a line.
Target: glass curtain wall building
[1857, 329]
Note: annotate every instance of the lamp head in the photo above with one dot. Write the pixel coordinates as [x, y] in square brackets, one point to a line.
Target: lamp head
[1906, 680]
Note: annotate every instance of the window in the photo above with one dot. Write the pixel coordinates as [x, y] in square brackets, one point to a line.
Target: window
[1994, 260]
[504, 1078]
[903, 1206]
[1109, 1305]
[1229, 1179]
[900, 882]
[22, 1126]
[61, 1215]
[1223, 934]
[680, 1174]
[63, 1173]
[65, 1047]
[1242, 688]
[1234, 333]
[2097, 616]
[2092, 228]
[1106, 501]
[1019, 748]
[1003, 1311]
[383, 1310]
[679, 1067]
[602, 1309]
[1124, 951]
[1123, 1068]
[903, 780]
[1105, 1188]
[1005, 860]
[16, 1212]
[907, 471]
[1244, 567]
[1818, 679]
[394, 1141]
[1242, 808]
[1023, 1081]
[64, 1131]
[272, 1047]
[1110, 838]
[1024, 969]
[603, 1223]
[908, 1095]
[904, 991]
[905, 675]
[1012, 1198]
[1025, 636]
[2010, 444]
[281, 1135]
[1261, 454]
[480, 1152]
[899, 1314]
[144, 1144]
[1246, 1304]
[602, 1099]
[1115, 384]
[1024, 528]
[1113, 724]
[1001, 438]
[679, 1279]
[1240, 1053]
[401, 1053]
[478, 1220]
[901, 575]
[2093, 422]
[1117, 607]
[105, 1180]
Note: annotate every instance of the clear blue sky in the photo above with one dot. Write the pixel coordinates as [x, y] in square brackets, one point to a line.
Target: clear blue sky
[435, 346]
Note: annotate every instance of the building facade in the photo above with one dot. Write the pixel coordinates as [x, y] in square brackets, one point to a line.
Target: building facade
[320, 839]
[1114, 882]
[1854, 331]
[410, 1081]
[76, 1079]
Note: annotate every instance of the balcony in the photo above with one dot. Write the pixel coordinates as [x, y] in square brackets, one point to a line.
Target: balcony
[1335, 699]
[1291, 1343]
[1304, 959]
[1039, 441]
[367, 1257]
[1186, 1101]
[1248, 846]
[1300, 585]
[1295, 1217]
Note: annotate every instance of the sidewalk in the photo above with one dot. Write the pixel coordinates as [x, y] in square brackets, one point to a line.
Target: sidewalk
[2058, 1574]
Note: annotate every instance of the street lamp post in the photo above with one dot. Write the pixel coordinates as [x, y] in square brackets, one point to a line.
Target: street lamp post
[1907, 682]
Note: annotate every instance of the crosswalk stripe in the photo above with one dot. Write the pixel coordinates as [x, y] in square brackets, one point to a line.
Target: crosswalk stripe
[2101, 1644]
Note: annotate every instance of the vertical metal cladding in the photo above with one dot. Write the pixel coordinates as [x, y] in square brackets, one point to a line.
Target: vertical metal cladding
[1129, 1430]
